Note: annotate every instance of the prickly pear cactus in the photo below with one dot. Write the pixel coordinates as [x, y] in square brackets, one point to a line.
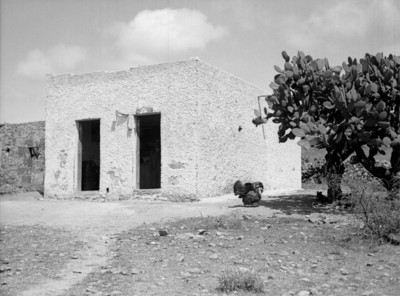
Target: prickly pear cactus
[342, 108]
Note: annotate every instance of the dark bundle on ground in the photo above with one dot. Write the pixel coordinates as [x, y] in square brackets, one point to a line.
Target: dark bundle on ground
[250, 193]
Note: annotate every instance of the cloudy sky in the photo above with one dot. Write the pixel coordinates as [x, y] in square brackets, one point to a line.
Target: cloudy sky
[243, 37]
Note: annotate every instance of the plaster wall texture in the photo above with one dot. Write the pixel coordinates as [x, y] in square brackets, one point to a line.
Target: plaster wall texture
[202, 150]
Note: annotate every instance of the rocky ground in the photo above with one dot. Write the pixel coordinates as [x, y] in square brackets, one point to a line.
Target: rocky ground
[161, 248]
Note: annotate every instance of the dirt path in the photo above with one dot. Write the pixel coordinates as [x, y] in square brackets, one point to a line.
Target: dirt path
[97, 222]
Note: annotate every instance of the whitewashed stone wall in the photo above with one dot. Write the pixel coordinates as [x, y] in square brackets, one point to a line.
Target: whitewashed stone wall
[202, 150]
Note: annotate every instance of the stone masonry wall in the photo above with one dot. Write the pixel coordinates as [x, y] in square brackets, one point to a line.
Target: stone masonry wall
[22, 154]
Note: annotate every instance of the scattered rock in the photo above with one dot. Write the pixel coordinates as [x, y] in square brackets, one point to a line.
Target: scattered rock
[180, 258]
[186, 236]
[163, 232]
[195, 270]
[185, 275]
[134, 271]
[213, 256]
[4, 269]
[344, 271]
[243, 269]
[91, 290]
[246, 217]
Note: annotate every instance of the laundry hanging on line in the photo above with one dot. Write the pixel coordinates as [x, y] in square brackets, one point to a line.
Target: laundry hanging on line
[121, 118]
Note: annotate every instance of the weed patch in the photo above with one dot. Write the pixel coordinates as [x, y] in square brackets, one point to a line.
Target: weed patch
[380, 214]
[234, 279]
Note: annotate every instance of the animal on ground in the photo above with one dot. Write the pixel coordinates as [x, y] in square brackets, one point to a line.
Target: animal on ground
[250, 193]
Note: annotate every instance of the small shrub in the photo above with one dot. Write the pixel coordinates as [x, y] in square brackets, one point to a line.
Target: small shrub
[234, 279]
[372, 204]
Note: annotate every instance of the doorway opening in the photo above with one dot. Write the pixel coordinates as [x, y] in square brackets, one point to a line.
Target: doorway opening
[149, 150]
[89, 155]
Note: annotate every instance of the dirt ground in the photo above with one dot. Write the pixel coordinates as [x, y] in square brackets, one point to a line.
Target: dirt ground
[94, 222]
[87, 241]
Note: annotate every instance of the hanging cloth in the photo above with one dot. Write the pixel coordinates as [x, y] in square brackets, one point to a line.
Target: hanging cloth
[130, 121]
[121, 118]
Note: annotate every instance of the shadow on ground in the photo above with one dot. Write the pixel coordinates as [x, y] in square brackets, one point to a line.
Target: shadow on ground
[300, 204]
[303, 204]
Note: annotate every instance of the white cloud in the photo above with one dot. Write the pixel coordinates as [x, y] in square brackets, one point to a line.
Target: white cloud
[354, 26]
[156, 33]
[57, 59]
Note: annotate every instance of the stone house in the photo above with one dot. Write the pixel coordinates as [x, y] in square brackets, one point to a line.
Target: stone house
[181, 128]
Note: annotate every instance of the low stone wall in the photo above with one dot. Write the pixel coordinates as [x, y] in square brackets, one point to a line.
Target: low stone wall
[22, 154]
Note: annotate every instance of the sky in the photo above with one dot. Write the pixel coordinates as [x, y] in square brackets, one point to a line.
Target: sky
[242, 37]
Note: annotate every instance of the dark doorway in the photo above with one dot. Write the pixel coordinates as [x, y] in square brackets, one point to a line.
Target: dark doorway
[89, 154]
[149, 146]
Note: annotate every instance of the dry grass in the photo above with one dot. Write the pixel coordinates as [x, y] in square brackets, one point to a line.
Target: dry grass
[234, 279]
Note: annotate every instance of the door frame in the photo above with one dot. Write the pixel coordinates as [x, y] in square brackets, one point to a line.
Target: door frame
[78, 169]
[137, 129]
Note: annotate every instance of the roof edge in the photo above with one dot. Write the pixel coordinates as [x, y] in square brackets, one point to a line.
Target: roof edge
[67, 76]
[102, 72]
[232, 75]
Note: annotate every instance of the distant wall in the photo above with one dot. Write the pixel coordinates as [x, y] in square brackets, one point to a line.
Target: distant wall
[22, 154]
